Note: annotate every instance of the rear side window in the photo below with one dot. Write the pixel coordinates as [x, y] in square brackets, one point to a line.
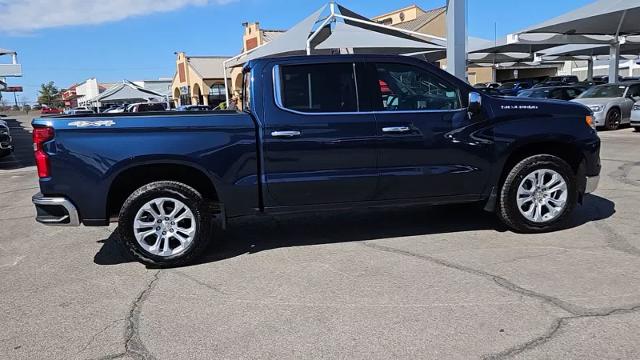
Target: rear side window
[319, 88]
[407, 88]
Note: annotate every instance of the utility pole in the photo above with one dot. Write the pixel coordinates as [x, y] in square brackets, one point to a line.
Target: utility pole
[457, 38]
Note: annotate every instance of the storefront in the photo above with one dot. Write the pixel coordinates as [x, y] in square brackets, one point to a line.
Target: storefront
[199, 80]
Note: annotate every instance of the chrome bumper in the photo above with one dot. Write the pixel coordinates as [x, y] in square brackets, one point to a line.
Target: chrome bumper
[592, 184]
[55, 211]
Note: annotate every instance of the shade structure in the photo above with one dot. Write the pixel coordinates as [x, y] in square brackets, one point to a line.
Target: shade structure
[365, 40]
[127, 92]
[627, 50]
[6, 52]
[602, 17]
[291, 42]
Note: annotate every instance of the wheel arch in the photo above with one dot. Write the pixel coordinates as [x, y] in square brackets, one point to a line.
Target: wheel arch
[132, 177]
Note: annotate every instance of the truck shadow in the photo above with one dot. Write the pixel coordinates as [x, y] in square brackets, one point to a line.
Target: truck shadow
[249, 235]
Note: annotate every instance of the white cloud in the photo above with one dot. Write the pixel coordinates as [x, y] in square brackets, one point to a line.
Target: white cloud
[20, 16]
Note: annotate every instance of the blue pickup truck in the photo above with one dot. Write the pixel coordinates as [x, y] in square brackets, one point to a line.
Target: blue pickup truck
[315, 133]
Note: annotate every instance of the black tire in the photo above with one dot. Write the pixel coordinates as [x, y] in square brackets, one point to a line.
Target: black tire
[165, 189]
[613, 120]
[636, 128]
[508, 208]
[4, 152]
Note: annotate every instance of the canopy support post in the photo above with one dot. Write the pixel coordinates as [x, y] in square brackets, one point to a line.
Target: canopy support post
[457, 38]
[226, 82]
[590, 69]
[614, 62]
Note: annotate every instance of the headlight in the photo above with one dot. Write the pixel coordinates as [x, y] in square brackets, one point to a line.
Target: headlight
[596, 108]
[636, 107]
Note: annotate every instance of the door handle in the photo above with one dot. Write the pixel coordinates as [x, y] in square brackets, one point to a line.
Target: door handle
[396, 129]
[286, 134]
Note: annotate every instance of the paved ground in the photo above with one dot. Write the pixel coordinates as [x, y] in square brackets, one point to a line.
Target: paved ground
[445, 283]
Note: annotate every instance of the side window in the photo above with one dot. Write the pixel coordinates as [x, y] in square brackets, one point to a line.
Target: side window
[634, 91]
[406, 88]
[556, 94]
[572, 93]
[319, 88]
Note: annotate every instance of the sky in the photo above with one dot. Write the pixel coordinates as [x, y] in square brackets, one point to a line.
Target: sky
[68, 41]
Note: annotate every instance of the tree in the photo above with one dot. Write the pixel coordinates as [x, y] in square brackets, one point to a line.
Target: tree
[49, 95]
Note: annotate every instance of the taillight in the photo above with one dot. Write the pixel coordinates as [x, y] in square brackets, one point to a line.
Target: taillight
[40, 136]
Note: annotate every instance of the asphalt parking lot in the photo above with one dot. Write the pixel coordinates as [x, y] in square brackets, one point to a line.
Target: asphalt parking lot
[430, 283]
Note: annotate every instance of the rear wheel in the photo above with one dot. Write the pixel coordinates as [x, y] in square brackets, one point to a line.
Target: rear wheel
[613, 119]
[165, 224]
[538, 195]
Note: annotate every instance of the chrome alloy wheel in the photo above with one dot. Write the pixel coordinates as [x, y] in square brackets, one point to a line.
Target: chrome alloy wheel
[542, 196]
[164, 227]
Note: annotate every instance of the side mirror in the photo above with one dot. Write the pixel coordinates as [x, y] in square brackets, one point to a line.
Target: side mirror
[475, 102]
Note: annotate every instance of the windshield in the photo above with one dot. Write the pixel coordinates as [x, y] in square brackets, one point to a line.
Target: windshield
[536, 94]
[604, 91]
[508, 85]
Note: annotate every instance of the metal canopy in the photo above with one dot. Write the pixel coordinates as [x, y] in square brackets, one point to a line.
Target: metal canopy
[627, 50]
[342, 29]
[7, 52]
[362, 40]
[127, 91]
[603, 17]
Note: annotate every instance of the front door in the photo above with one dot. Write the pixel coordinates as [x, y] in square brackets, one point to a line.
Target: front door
[318, 147]
[427, 148]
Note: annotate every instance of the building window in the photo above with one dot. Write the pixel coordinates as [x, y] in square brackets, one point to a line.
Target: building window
[387, 21]
[216, 94]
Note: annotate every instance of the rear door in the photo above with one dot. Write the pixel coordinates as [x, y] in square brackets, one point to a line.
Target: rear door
[427, 144]
[319, 147]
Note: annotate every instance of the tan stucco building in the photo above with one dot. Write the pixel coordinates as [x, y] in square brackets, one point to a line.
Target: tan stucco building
[199, 80]
[252, 37]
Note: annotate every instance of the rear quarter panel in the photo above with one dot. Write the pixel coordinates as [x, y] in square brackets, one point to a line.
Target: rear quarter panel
[85, 159]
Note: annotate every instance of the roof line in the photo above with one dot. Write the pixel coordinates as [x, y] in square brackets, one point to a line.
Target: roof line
[397, 10]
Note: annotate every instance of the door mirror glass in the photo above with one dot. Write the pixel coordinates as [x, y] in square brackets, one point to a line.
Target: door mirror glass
[475, 102]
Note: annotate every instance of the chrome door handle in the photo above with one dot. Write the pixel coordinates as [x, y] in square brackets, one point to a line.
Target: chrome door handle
[396, 129]
[285, 134]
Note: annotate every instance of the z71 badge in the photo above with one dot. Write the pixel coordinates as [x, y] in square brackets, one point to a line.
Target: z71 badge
[92, 123]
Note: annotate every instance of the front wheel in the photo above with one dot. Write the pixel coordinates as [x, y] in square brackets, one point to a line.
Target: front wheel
[538, 195]
[164, 224]
[613, 120]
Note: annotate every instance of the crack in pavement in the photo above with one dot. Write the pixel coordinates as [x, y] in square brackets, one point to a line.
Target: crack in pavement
[98, 333]
[133, 345]
[623, 171]
[199, 282]
[576, 311]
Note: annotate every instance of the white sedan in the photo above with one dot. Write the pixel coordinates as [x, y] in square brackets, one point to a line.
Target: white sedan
[635, 116]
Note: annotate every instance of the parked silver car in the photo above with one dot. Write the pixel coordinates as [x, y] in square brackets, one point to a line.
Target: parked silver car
[611, 103]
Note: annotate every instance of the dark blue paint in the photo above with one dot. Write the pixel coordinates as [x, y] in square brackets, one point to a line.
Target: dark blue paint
[338, 160]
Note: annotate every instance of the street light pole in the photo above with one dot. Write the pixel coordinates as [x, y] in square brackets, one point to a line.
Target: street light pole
[457, 38]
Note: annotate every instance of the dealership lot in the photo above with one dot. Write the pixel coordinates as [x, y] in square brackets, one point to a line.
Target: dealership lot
[443, 282]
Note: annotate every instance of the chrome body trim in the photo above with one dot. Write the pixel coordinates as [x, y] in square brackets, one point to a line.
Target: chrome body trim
[592, 184]
[74, 219]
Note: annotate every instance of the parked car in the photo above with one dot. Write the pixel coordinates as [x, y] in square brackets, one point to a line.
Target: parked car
[6, 147]
[512, 88]
[194, 108]
[490, 91]
[117, 109]
[635, 117]
[611, 103]
[79, 111]
[147, 107]
[50, 111]
[306, 141]
[553, 92]
[563, 79]
[604, 79]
